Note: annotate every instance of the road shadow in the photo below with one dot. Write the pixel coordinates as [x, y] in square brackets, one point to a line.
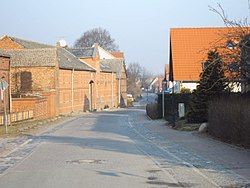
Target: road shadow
[116, 125]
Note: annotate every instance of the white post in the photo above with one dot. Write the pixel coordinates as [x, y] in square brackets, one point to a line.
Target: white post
[5, 113]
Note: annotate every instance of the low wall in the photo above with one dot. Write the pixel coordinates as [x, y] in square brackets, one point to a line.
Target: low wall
[39, 106]
[17, 116]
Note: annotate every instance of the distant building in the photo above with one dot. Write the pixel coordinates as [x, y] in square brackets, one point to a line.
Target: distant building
[107, 64]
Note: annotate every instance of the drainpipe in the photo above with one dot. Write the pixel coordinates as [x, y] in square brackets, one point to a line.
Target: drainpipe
[72, 90]
[91, 95]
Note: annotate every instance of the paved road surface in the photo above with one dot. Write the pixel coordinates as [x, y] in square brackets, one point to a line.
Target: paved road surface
[146, 99]
[122, 149]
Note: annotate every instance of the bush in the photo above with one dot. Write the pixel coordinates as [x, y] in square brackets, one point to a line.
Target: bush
[212, 82]
[229, 119]
[129, 102]
[185, 90]
[152, 111]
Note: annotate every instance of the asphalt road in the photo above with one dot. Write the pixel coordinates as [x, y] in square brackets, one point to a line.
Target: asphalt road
[120, 149]
[146, 99]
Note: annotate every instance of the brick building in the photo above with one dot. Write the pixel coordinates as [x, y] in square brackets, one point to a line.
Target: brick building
[5, 75]
[111, 78]
[54, 72]
[70, 79]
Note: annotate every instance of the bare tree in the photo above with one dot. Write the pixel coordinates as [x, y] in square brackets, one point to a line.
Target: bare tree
[97, 35]
[137, 76]
[133, 82]
[145, 77]
[236, 54]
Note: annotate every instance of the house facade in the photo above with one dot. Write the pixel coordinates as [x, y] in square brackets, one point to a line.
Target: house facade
[69, 81]
[111, 78]
[188, 51]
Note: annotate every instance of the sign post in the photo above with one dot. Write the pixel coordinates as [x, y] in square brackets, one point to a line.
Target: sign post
[3, 86]
[163, 97]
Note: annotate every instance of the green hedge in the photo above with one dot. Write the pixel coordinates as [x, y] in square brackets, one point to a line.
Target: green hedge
[171, 104]
[229, 118]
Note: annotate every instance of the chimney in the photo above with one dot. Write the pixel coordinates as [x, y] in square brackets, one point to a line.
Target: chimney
[61, 44]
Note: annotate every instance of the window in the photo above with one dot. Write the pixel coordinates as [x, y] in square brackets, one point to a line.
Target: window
[233, 67]
[230, 45]
[26, 81]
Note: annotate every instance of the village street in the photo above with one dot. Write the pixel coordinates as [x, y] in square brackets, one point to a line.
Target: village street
[123, 149]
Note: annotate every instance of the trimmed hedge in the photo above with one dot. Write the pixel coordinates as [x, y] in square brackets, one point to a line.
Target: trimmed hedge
[152, 111]
[229, 118]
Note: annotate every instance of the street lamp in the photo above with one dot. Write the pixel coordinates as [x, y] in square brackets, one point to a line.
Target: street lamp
[164, 81]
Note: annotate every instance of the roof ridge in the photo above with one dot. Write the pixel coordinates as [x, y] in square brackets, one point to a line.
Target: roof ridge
[19, 41]
[81, 48]
[71, 54]
[207, 27]
[32, 49]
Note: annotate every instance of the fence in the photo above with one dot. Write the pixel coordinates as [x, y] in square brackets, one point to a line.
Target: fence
[171, 104]
[17, 116]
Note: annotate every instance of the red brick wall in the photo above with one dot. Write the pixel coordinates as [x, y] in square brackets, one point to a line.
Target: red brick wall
[51, 103]
[124, 87]
[104, 90]
[93, 62]
[5, 72]
[79, 99]
[38, 105]
[41, 79]
[7, 43]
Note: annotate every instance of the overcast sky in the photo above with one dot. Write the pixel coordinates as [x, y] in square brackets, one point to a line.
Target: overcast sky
[140, 27]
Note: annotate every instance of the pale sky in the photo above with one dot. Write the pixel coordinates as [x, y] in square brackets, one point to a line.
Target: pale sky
[140, 27]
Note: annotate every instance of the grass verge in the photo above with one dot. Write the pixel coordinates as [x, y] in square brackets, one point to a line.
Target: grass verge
[182, 125]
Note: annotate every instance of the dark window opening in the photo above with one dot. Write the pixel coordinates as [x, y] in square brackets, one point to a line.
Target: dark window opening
[230, 45]
[233, 67]
[26, 81]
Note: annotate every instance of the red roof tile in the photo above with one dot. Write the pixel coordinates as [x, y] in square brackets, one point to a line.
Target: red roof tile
[119, 55]
[189, 48]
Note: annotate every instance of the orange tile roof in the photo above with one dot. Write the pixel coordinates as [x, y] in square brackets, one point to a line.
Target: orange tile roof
[119, 55]
[189, 48]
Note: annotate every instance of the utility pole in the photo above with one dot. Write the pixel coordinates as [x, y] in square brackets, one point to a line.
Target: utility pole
[147, 95]
[163, 97]
[3, 86]
[173, 105]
